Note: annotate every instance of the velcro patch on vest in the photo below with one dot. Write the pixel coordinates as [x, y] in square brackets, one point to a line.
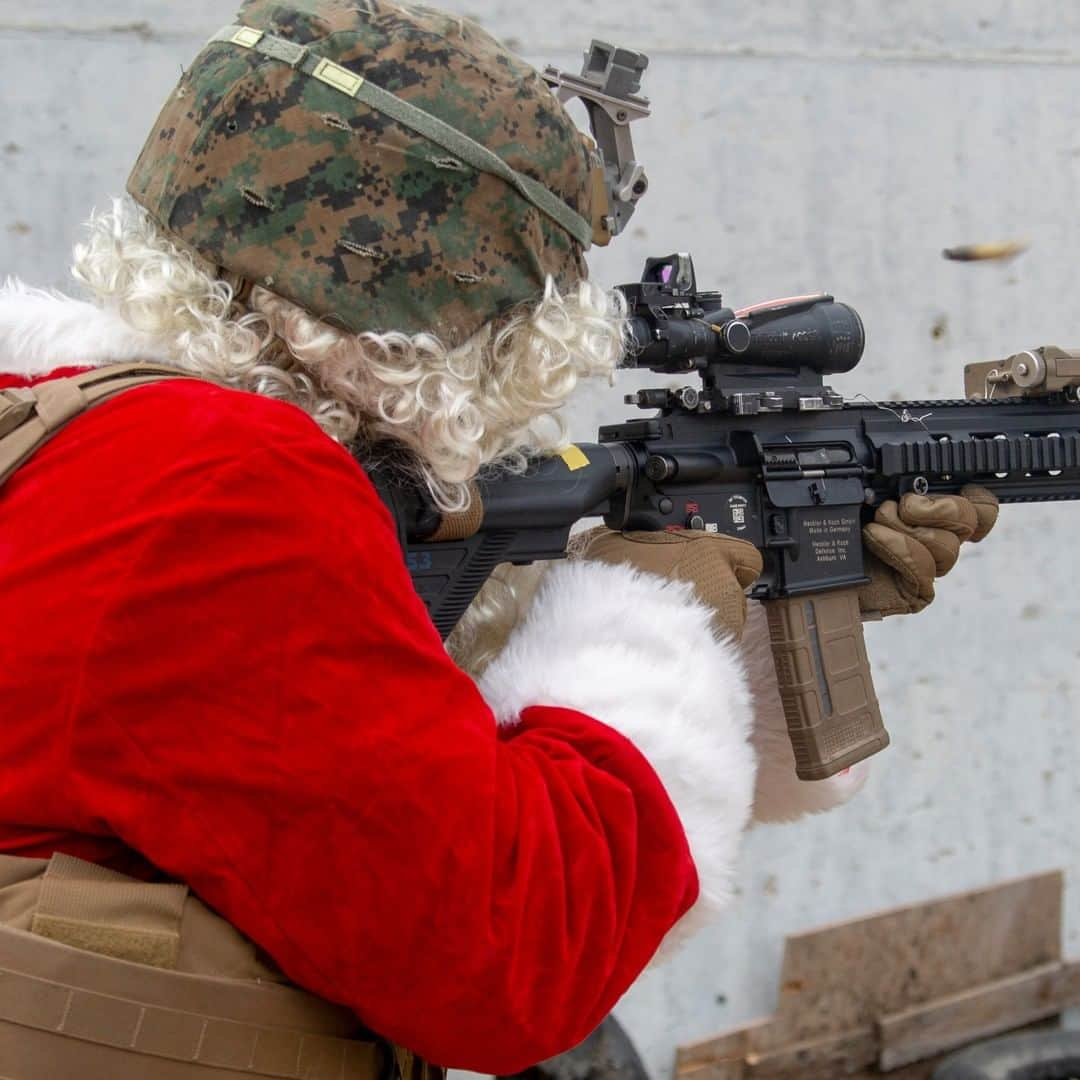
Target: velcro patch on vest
[93, 908]
[158, 948]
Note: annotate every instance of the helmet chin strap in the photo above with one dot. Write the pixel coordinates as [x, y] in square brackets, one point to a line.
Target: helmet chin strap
[241, 290]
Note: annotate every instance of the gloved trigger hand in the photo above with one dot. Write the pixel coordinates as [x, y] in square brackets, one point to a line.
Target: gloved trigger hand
[719, 567]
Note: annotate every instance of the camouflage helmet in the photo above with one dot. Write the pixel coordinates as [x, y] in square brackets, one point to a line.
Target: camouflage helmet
[384, 165]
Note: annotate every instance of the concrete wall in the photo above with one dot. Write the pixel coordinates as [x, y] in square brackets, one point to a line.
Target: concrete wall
[795, 145]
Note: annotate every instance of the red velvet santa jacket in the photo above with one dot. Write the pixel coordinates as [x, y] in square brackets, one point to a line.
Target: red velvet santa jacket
[214, 664]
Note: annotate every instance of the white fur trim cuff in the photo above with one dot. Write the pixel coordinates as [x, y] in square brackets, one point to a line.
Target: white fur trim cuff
[41, 331]
[637, 653]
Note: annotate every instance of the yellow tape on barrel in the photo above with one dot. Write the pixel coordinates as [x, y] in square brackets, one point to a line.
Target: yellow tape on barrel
[574, 457]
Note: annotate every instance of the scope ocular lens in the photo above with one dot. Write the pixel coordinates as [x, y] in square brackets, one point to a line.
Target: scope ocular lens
[737, 336]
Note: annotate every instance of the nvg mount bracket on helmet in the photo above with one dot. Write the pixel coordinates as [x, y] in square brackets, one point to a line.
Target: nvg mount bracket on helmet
[608, 85]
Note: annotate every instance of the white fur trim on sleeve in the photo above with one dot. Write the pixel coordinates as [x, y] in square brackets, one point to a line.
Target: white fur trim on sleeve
[41, 331]
[780, 795]
[637, 653]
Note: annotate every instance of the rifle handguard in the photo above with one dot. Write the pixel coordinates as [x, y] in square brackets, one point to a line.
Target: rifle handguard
[825, 684]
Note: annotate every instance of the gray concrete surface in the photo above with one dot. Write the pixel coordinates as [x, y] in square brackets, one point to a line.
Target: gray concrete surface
[795, 145]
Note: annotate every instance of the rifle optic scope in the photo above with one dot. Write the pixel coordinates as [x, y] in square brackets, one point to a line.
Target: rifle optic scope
[815, 332]
[674, 328]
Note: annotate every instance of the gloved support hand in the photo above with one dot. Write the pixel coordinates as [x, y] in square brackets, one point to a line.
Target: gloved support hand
[719, 567]
[910, 543]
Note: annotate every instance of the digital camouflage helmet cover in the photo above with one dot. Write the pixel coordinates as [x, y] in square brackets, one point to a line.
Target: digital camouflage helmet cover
[385, 166]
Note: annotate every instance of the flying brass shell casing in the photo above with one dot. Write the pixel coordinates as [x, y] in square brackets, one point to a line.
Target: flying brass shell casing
[1005, 249]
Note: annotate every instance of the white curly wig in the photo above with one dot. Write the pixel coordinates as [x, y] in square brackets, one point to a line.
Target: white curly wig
[491, 400]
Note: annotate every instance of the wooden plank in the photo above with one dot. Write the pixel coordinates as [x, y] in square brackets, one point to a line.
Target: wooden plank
[823, 1059]
[836, 982]
[727, 1049]
[944, 1024]
[718, 1070]
[843, 977]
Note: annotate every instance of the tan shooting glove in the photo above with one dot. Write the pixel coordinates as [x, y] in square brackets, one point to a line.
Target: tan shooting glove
[719, 567]
[910, 543]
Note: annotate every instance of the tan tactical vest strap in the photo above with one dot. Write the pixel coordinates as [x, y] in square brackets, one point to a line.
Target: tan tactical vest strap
[94, 908]
[69, 1013]
[30, 416]
[65, 1013]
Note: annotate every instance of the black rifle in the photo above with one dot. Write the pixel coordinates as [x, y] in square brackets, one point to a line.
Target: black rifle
[763, 450]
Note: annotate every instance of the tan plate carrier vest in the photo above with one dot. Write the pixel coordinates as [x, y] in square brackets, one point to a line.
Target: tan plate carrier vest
[103, 977]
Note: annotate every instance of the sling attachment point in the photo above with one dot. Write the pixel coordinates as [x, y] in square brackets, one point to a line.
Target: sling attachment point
[461, 524]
